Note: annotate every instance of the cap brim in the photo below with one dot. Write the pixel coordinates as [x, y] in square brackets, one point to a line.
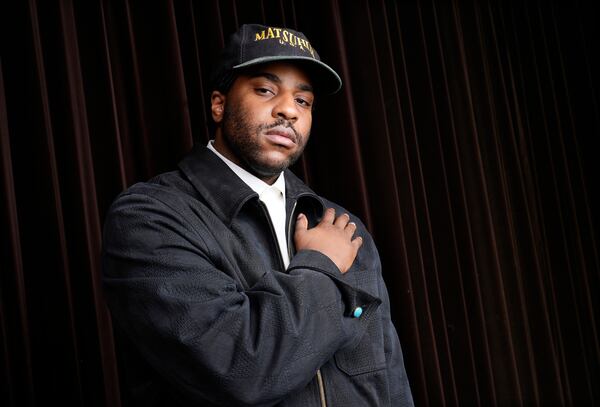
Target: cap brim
[327, 81]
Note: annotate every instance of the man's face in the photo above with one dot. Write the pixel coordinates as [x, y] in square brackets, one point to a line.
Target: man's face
[265, 119]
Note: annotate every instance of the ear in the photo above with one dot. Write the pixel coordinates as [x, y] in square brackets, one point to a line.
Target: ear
[217, 106]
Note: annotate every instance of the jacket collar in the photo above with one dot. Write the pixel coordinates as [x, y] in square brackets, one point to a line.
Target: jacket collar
[224, 191]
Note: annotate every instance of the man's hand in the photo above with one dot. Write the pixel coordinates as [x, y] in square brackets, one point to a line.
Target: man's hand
[332, 237]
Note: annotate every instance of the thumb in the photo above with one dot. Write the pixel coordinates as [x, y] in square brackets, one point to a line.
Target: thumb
[301, 223]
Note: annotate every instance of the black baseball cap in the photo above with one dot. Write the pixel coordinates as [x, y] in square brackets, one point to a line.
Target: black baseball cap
[255, 44]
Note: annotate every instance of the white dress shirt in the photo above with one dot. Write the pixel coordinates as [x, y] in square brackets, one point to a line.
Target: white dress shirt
[273, 196]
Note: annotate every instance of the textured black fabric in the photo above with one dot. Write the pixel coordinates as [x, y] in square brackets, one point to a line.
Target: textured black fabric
[192, 279]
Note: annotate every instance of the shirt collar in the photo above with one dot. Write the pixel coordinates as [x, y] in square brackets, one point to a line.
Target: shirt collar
[255, 183]
[225, 193]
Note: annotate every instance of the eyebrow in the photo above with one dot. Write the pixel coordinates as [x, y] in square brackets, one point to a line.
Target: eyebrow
[274, 78]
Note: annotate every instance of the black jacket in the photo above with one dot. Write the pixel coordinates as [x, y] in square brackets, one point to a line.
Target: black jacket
[205, 314]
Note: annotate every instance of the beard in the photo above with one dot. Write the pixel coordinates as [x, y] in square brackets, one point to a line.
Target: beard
[244, 139]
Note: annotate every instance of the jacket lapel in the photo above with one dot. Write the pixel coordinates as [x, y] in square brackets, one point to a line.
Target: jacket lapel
[224, 192]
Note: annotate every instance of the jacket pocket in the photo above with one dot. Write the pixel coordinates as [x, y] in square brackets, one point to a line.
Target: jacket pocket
[368, 356]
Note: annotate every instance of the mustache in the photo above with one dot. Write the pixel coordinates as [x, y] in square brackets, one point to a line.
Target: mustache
[284, 123]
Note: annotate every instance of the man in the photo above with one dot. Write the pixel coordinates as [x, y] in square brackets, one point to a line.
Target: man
[230, 282]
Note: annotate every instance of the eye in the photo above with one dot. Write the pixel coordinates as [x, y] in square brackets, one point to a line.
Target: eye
[264, 91]
[303, 102]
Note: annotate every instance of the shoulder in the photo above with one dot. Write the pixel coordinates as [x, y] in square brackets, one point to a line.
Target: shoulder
[150, 214]
[169, 189]
[164, 201]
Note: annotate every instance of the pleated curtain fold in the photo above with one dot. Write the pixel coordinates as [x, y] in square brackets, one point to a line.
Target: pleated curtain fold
[464, 137]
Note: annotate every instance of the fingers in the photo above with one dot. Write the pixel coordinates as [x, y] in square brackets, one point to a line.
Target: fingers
[328, 216]
[342, 221]
[350, 229]
[334, 237]
[357, 242]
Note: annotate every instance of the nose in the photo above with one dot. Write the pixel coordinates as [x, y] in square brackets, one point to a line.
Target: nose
[285, 108]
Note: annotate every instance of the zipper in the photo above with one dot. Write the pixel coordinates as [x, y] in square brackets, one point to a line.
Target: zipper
[289, 243]
[289, 247]
[289, 230]
[321, 388]
[273, 234]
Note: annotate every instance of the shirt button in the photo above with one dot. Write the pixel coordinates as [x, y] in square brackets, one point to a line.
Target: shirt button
[357, 312]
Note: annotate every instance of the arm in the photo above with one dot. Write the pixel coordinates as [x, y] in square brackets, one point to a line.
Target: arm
[207, 335]
[400, 393]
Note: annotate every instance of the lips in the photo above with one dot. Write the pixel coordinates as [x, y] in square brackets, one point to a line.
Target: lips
[282, 136]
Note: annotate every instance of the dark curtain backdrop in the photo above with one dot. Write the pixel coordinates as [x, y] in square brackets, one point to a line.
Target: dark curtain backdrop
[464, 137]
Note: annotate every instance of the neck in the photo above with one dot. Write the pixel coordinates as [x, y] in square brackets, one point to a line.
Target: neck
[222, 148]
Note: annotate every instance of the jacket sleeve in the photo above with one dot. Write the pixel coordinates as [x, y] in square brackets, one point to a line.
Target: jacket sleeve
[213, 339]
[400, 392]
[399, 387]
